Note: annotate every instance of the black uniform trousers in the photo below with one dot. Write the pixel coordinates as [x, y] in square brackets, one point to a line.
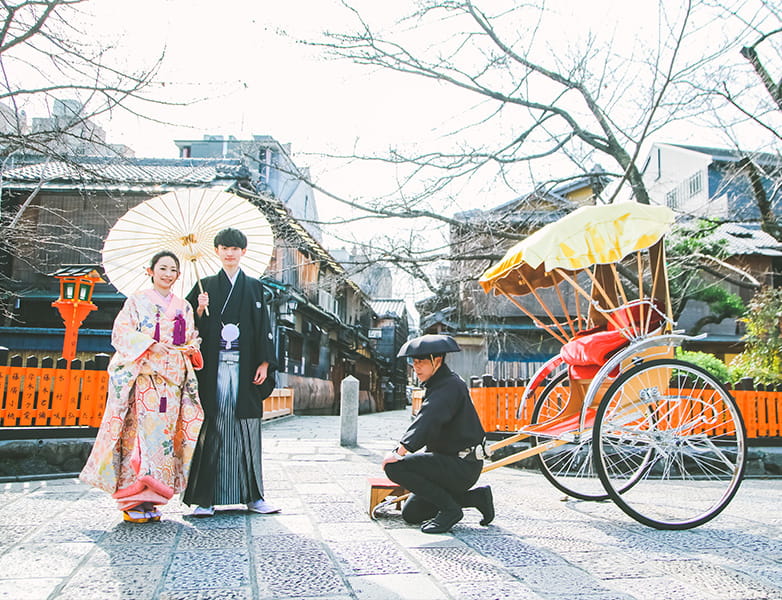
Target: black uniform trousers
[436, 482]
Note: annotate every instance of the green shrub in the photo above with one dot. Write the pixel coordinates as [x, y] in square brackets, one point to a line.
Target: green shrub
[709, 362]
[762, 356]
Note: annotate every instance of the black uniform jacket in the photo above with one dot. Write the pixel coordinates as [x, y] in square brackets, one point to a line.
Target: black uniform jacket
[246, 307]
[447, 421]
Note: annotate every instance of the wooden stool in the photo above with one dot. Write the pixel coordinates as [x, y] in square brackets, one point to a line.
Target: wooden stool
[381, 488]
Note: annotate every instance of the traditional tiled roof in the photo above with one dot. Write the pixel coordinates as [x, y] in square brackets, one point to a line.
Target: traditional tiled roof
[110, 173]
[388, 308]
[746, 239]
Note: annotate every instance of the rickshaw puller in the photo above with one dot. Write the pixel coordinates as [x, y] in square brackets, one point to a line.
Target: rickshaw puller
[447, 425]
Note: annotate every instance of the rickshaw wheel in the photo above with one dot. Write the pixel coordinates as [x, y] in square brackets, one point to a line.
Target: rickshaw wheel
[569, 468]
[695, 432]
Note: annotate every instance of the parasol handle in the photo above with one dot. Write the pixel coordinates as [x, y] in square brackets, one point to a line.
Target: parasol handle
[200, 285]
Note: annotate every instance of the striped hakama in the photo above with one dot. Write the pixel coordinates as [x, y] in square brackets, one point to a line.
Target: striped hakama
[239, 477]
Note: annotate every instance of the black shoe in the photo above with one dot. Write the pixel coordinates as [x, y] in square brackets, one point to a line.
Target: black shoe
[484, 502]
[443, 522]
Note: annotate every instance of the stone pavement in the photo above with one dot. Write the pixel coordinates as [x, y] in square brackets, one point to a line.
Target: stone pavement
[60, 539]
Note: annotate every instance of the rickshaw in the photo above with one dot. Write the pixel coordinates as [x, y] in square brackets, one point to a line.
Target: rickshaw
[615, 415]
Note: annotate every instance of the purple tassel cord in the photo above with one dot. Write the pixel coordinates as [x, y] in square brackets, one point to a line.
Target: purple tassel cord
[156, 335]
[179, 329]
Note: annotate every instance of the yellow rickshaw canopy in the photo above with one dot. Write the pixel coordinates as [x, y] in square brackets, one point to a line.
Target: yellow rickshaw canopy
[589, 235]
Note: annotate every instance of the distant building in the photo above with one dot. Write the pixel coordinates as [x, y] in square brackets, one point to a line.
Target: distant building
[270, 167]
[711, 182]
[388, 333]
[374, 278]
[715, 183]
[68, 132]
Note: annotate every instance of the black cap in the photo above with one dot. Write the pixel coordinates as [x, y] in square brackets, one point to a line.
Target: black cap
[429, 344]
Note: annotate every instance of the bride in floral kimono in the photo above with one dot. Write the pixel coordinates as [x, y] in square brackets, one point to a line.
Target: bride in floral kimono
[153, 415]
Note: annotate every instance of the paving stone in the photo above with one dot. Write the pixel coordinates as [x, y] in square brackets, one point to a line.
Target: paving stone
[323, 498]
[282, 524]
[492, 590]
[580, 532]
[759, 545]
[64, 495]
[337, 532]
[590, 595]
[396, 587]
[277, 487]
[137, 582]
[221, 520]
[509, 550]
[564, 546]
[769, 573]
[307, 474]
[287, 502]
[319, 456]
[562, 580]
[314, 490]
[203, 569]
[129, 554]
[232, 594]
[28, 589]
[649, 546]
[25, 510]
[338, 512]
[53, 560]
[411, 536]
[458, 564]
[285, 543]
[691, 539]
[193, 539]
[283, 574]
[13, 534]
[67, 531]
[654, 588]
[610, 565]
[719, 582]
[352, 468]
[372, 558]
[162, 532]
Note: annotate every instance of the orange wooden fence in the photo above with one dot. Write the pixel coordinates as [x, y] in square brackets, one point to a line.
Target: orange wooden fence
[497, 406]
[48, 396]
[762, 412]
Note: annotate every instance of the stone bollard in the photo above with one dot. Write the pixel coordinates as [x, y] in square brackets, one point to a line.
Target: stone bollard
[348, 411]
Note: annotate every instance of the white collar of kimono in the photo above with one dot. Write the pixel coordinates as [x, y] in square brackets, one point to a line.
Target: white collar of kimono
[235, 275]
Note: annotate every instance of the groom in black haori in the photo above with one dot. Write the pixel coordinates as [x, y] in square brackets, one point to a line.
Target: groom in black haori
[239, 364]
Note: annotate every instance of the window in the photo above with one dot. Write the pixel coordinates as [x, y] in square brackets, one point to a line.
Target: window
[672, 198]
[327, 302]
[294, 347]
[695, 184]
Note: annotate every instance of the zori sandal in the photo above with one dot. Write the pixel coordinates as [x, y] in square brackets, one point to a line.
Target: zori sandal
[135, 516]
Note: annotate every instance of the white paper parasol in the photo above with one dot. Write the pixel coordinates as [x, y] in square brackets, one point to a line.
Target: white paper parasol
[185, 222]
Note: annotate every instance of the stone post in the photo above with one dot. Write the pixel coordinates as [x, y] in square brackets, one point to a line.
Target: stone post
[348, 410]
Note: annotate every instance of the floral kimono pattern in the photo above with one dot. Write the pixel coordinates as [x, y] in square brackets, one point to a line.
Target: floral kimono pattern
[145, 444]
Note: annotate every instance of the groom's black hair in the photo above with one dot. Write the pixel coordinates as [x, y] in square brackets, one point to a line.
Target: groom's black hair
[230, 238]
